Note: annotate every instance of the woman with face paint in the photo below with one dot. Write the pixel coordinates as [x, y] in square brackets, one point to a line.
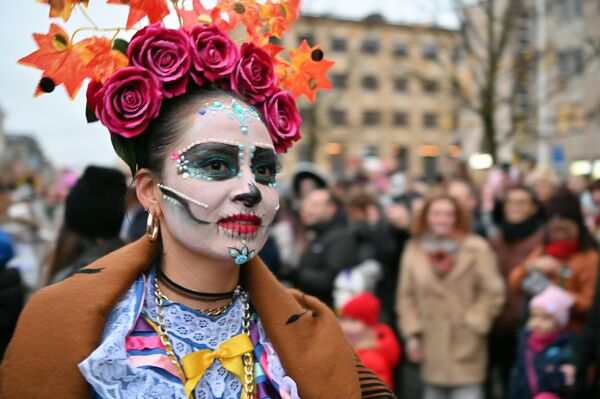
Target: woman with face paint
[189, 310]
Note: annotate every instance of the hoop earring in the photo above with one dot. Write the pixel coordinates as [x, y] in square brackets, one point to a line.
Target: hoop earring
[152, 227]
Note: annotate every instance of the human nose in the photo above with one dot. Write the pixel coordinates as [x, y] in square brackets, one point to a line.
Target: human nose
[250, 198]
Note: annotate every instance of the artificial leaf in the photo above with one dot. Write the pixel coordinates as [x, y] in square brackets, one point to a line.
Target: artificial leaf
[306, 72]
[125, 149]
[228, 14]
[60, 61]
[280, 15]
[100, 58]
[63, 8]
[155, 10]
[197, 14]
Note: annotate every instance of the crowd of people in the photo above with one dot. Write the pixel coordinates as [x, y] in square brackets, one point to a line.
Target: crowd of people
[462, 287]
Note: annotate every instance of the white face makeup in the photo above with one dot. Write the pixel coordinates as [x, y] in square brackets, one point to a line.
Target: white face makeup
[219, 186]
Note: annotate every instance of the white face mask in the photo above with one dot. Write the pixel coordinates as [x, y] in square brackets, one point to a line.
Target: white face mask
[219, 189]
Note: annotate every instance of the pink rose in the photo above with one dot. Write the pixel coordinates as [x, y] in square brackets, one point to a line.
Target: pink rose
[254, 77]
[283, 120]
[165, 53]
[215, 54]
[131, 98]
[92, 96]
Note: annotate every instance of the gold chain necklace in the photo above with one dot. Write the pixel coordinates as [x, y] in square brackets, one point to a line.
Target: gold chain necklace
[213, 312]
[248, 382]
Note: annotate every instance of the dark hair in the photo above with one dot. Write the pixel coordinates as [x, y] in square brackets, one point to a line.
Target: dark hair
[152, 146]
[595, 185]
[361, 200]
[69, 246]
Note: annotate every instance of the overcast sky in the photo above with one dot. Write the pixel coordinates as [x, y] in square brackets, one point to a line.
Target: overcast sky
[59, 124]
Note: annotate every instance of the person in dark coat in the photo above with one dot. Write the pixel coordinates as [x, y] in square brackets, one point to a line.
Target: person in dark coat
[94, 212]
[587, 351]
[544, 366]
[520, 232]
[12, 293]
[330, 246]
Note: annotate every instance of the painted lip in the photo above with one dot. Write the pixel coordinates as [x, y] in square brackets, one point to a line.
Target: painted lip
[243, 223]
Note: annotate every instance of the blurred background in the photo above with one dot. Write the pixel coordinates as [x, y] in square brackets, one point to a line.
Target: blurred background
[469, 99]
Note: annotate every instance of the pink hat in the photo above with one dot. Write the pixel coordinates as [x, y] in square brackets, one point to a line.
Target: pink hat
[555, 301]
[546, 395]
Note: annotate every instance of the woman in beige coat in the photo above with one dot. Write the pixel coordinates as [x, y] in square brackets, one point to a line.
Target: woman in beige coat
[450, 290]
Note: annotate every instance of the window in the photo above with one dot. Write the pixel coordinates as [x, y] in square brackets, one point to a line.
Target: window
[371, 118]
[339, 44]
[401, 84]
[401, 155]
[400, 118]
[370, 46]
[429, 51]
[339, 80]
[308, 37]
[369, 82]
[430, 86]
[430, 120]
[337, 116]
[457, 54]
[400, 49]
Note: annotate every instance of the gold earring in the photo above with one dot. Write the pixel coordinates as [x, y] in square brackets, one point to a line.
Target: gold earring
[152, 227]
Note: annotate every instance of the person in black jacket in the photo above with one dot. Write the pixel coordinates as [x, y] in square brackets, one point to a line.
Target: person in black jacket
[12, 293]
[587, 351]
[329, 247]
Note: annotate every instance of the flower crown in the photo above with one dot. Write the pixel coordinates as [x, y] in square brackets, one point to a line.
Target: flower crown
[130, 81]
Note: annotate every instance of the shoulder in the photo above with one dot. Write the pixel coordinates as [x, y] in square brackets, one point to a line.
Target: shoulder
[475, 243]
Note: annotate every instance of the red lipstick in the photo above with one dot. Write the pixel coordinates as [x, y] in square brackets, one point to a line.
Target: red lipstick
[242, 223]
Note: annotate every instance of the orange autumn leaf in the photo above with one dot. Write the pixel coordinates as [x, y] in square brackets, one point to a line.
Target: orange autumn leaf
[155, 10]
[228, 14]
[100, 60]
[306, 73]
[59, 60]
[280, 15]
[197, 14]
[63, 8]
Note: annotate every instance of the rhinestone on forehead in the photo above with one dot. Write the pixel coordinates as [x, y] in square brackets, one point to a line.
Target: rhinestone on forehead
[244, 115]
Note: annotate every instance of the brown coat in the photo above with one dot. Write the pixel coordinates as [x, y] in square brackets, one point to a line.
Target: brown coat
[63, 324]
[511, 255]
[451, 315]
[581, 283]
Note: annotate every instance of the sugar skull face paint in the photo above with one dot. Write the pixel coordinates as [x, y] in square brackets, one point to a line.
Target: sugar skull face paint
[219, 187]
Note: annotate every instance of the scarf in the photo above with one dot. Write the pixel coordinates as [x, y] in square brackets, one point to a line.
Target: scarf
[562, 249]
[537, 343]
[441, 252]
[513, 232]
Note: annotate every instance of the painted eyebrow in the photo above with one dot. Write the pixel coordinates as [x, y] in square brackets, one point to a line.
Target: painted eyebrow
[215, 146]
[265, 153]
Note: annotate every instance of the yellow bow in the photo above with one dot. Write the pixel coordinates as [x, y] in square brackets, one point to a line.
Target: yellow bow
[229, 353]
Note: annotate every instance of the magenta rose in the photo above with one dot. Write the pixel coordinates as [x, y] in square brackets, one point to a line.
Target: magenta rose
[283, 120]
[215, 55]
[254, 77]
[165, 53]
[92, 96]
[131, 98]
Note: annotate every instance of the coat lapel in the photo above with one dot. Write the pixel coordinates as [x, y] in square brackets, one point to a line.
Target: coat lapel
[306, 336]
[464, 260]
[72, 315]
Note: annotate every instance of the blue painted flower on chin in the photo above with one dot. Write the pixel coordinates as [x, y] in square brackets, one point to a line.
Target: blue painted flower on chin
[241, 256]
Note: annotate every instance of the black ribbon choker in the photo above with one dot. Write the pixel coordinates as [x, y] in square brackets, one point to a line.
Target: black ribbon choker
[188, 293]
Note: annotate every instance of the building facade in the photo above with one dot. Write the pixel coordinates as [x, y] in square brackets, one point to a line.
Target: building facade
[571, 100]
[391, 97]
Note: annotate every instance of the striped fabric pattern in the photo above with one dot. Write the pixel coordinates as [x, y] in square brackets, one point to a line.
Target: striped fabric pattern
[371, 386]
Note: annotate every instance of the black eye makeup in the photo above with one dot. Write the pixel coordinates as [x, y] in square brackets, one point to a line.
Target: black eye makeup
[265, 165]
[210, 162]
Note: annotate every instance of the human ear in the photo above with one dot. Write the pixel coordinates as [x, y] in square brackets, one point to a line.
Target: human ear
[148, 193]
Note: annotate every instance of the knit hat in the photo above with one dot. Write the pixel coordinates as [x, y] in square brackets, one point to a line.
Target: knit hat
[364, 307]
[6, 249]
[555, 301]
[94, 207]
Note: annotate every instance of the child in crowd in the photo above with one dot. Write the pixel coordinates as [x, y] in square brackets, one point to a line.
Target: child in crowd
[543, 369]
[375, 343]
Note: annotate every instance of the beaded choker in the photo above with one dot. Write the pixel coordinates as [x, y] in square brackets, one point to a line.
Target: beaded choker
[188, 293]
